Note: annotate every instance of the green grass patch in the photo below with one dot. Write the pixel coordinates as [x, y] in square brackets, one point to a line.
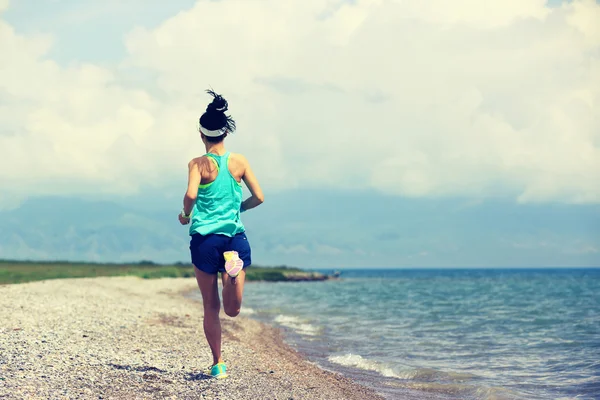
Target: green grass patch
[27, 271]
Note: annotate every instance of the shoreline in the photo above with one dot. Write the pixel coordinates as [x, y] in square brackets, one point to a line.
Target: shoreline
[130, 338]
[14, 272]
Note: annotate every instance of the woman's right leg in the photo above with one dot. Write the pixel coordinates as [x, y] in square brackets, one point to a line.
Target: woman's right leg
[212, 305]
[233, 293]
[233, 290]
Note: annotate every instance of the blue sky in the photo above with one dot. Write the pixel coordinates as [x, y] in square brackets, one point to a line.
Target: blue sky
[92, 31]
[413, 116]
[86, 30]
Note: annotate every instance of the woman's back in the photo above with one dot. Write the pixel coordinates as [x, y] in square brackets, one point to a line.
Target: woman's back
[219, 199]
[209, 170]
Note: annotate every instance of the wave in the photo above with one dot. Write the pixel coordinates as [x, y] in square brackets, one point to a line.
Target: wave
[357, 361]
[298, 325]
[421, 374]
[426, 379]
[462, 391]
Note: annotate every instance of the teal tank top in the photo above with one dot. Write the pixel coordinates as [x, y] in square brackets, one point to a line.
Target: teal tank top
[217, 207]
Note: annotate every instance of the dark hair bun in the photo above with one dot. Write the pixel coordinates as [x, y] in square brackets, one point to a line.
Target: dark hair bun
[214, 118]
[219, 104]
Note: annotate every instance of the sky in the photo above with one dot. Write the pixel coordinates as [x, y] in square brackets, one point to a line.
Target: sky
[494, 105]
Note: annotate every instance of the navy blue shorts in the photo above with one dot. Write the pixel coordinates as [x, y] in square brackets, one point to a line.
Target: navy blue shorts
[207, 251]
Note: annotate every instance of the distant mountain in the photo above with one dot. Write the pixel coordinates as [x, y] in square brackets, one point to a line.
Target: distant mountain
[73, 229]
[314, 229]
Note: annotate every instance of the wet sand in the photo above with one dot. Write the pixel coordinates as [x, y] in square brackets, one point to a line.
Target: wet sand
[129, 338]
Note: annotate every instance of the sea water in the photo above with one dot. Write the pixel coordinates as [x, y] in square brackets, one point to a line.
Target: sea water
[446, 334]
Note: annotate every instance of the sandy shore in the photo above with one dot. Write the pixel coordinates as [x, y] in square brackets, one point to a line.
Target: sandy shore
[128, 338]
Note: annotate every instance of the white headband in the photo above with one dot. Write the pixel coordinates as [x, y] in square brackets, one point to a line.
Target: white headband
[210, 133]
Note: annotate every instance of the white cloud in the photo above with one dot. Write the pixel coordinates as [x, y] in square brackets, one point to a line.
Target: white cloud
[410, 97]
[588, 250]
[485, 15]
[327, 250]
[584, 16]
[293, 249]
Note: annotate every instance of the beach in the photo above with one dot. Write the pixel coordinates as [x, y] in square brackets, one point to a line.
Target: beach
[133, 338]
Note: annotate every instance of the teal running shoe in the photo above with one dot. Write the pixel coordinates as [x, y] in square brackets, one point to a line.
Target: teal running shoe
[219, 371]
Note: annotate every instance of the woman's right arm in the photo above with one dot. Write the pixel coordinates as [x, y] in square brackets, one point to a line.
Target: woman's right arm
[251, 182]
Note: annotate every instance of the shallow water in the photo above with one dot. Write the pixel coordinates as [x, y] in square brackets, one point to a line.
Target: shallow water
[447, 334]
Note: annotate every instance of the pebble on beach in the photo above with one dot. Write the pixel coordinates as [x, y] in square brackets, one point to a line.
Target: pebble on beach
[130, 338]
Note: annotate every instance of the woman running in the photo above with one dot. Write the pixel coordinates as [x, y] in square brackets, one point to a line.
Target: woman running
[213, 204]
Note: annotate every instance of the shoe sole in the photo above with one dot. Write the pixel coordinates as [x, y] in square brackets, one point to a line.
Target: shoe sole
[233, 264]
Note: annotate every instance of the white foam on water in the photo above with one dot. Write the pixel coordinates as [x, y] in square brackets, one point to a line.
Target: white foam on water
[357, 361]
[497, 393]
[247, 311]
[418, 374]
[461, 390]
[298, 325]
